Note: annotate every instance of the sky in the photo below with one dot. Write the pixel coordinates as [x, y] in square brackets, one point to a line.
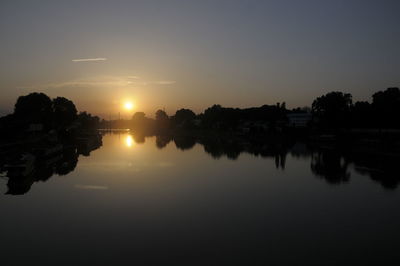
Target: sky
[193, 54]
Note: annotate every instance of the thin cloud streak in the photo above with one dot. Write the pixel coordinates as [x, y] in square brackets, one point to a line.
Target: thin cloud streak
[89, 59]
[165, 82]
[101, 81]
[91, 187]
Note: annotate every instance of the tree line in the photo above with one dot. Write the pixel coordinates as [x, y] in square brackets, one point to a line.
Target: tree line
[215, 117]
[334, 110]
[38, 112]
[337, 110]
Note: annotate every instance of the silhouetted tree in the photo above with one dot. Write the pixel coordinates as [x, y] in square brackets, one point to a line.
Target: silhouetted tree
[161, 115]
[139, 120]
[138, 116]
[142, 124]
[87, 121]
[34, 108]
[162, 120]
[64, 112]
[183, 118]
[266, 116]
[362, 115]
[386, 108]
[218, 117]
[8, 126]
[333, 109]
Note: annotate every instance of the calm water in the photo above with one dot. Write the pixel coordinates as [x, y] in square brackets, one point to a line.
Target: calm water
[154, 202]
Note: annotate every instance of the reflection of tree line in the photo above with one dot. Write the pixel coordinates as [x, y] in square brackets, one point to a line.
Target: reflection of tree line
[330, 164]
[381, 169]
[231, 148]
[333, 166]
[59, 162]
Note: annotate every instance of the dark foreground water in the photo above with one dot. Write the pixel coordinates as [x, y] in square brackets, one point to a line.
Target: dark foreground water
[172, 203]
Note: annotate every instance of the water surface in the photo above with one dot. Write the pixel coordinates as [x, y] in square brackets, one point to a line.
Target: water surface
[153, 201]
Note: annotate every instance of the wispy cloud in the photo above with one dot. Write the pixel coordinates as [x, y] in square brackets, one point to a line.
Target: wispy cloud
[91, 82]
[165, 82]
[101, 82]
[89, 59]
[91, 187]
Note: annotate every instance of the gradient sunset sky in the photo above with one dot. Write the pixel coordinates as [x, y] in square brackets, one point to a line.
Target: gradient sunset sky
[192, 54]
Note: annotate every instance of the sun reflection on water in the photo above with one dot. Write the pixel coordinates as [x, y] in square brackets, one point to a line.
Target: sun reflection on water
[129, 141]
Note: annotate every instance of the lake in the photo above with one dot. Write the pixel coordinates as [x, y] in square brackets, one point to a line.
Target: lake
[157, 201]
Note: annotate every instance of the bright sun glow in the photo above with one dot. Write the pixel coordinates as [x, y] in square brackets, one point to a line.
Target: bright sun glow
[128, 105]
[129, 141]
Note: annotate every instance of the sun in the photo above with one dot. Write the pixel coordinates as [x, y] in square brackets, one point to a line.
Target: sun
[128, 105]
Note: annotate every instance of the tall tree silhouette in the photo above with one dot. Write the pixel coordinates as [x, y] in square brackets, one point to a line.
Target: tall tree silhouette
[138, 120]
[332, 110]
[64, 112]
[162, 120]
[386, 107]
[34, 108]
[362, 115]
[87, 121]
[184, 117]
